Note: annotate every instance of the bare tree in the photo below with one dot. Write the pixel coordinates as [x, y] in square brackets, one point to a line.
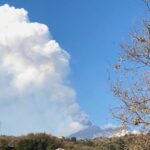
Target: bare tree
[131, 83]
[147, 3]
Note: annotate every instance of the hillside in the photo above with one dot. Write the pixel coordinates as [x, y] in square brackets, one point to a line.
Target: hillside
[94, 131]
[47, 142]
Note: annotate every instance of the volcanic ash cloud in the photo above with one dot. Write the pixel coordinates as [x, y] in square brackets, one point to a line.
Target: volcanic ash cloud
[35, 93]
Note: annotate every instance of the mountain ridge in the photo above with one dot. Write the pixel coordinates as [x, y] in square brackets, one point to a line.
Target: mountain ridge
[94, 131]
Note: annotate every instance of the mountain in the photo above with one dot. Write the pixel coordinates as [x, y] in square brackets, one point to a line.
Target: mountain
[94, 132]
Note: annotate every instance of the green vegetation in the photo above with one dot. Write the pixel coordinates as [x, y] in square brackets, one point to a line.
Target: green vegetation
[46, 142]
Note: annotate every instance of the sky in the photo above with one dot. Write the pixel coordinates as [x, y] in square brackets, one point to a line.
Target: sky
[54, 59]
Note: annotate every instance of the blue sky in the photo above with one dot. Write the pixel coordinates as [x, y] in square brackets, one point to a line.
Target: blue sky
[91, 32]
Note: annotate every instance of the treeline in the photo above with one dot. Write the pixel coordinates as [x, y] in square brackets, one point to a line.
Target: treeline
[30, 142]
[48, 142]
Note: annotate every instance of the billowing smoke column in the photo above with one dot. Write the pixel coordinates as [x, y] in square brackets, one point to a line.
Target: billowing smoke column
[35, 93]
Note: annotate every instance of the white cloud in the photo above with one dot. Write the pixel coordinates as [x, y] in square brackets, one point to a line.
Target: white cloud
[109, 125]
[35, 95]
